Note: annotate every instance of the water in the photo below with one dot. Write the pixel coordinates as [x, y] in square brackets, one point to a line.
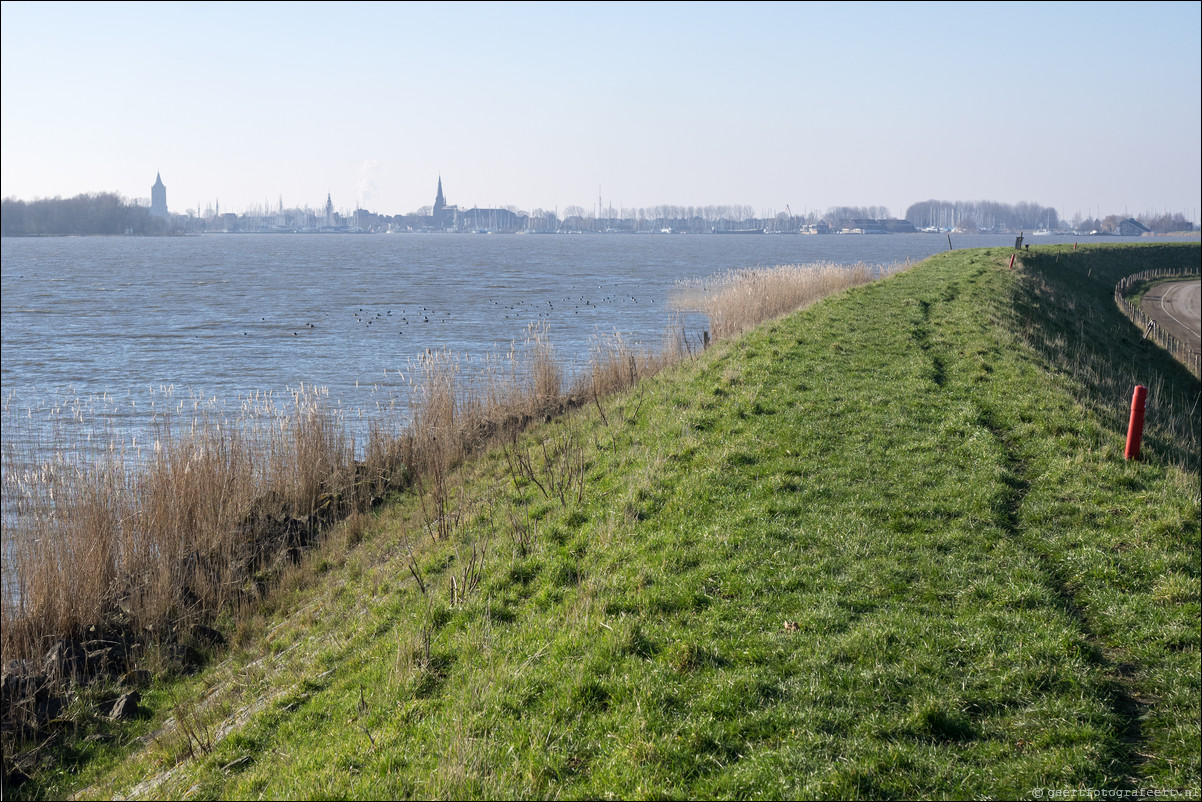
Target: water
[103, 332]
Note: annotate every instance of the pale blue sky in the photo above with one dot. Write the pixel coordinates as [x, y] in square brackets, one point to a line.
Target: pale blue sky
[1089, 107]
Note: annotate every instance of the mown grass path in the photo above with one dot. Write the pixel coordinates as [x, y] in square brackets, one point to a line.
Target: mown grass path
[887, 547]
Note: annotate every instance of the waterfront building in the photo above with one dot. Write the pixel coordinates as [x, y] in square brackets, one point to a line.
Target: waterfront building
[491, 220]
[874, 226]
[1133, 228]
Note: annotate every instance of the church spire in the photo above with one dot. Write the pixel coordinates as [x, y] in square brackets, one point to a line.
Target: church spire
[439, 200]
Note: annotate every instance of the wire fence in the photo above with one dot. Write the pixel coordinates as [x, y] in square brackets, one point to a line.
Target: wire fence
[1187, 356]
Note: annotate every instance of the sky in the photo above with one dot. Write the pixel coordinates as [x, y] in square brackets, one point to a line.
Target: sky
[1091, 108]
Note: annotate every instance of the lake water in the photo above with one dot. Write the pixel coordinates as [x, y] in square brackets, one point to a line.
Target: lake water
[104, 331]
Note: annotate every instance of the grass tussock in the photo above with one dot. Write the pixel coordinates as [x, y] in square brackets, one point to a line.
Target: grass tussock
[146, 544]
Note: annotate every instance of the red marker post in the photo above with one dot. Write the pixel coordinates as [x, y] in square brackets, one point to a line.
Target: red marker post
[1135, 428]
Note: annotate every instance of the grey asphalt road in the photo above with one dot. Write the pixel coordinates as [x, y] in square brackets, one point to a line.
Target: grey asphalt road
[1177, 308]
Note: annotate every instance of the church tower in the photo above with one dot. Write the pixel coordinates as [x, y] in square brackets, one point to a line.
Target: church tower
[440, 202]
[443, 217]
[158, 198]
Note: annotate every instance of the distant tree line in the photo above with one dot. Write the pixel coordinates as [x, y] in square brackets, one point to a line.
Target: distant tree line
[987, 215]
[701, 219]
[706, 217]
[982, 215]
[89, 214]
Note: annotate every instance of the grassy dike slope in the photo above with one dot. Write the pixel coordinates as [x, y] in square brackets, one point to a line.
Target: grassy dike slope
[886, 547]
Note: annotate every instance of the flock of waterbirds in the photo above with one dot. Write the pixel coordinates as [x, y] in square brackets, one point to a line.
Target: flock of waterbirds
[515, 310]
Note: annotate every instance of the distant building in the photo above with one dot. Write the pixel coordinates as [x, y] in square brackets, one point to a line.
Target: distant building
[444, 217]
[1133, 228]
[858, 225]
[158, 198]
[490, 220]
[869, 226]
[363, 220]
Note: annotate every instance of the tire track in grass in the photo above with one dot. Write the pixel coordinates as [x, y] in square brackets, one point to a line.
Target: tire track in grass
[1032, 444]
[921, 332]
[1118, 678]
[965, 368]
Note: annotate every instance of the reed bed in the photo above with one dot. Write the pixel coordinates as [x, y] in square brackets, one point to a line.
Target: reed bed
[742, 299]
[144, 543]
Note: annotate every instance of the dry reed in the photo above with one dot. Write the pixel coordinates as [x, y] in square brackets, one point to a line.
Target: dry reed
[741, 299]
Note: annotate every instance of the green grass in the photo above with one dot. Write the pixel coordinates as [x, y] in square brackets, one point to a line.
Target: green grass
[887, 547]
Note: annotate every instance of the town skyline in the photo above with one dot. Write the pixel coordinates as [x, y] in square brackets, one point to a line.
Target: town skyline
[602, 208]
[110, 213]
[1088, 109]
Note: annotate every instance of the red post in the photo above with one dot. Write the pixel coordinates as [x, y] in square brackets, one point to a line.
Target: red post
[1135, 429]
[1012, 260]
